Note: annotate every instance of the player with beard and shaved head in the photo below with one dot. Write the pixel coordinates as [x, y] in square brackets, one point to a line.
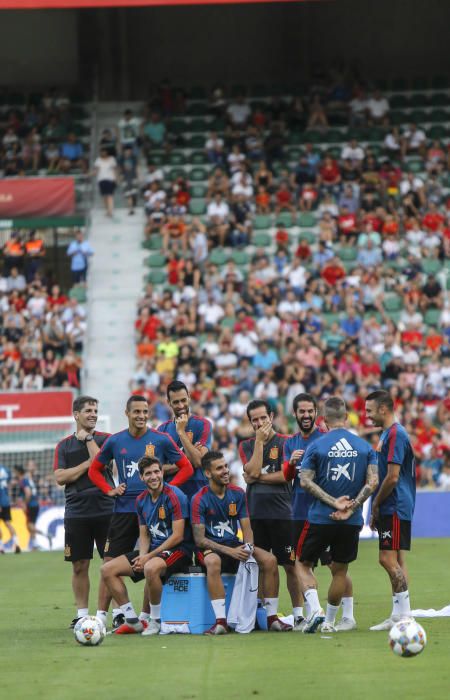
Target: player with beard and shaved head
[191, 433]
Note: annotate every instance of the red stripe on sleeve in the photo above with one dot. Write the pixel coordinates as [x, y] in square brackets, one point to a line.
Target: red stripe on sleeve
[176, 505]
[242, 454]
[206, 430]
[96, 476]
[288, 471]
[392, 439]
[185, 470]
[196, 501]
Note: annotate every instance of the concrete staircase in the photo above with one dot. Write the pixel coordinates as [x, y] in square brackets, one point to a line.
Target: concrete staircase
[115, 282]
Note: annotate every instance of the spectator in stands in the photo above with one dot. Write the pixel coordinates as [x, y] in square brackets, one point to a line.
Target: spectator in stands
[34, 255]
[79, 252]
[72, 156]
[238, 113]
[105, 170]
[128, 130]
[413, 141]
[214, 147]
[154, 133]
[13, 252]
[317, 116]
[378, 109]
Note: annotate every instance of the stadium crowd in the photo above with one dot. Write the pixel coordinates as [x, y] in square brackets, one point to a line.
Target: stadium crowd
[325, 275]
[41, 327]
[41, 134]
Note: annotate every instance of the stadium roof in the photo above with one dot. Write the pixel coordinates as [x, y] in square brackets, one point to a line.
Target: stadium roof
[46, 4]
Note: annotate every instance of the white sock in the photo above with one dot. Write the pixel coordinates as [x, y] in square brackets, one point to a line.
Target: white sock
[102, 614]
[82, 612]
[218, 606]
[271, 606]
[144, 616]
[297, 612]
[395, 606]
[116, 611]
[155, 611]
[307, 609]
[404, 604]
[331, 613]
[129, 612]
[347, 607]
[312, 598]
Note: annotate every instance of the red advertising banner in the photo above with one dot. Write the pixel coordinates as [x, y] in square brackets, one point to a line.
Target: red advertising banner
[45, 4]
[35, 404]
[37, 196]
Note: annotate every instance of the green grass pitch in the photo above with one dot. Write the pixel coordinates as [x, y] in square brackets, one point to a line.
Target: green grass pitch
[39, 657]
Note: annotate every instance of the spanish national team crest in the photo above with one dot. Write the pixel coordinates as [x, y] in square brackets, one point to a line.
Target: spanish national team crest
[232, 509]
[150, 450]
[190, 435]
[162, 513]
[273, 454]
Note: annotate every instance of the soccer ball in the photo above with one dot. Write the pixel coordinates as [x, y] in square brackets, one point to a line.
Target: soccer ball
[89, 631]
[407, 638]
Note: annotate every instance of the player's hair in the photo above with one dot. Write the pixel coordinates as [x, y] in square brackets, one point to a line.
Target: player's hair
[176, 386]
[381, 398]
[334, 409]
[19, 468]
[81, 401]
[304, 397]
[133, 398]
[210, 457]
[145, 462]
[259, 403]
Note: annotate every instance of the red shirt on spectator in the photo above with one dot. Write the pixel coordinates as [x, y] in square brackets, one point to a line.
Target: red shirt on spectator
[332, 273]
[150, 328]
[412, 337]
[432, 220]
[347, 223]
[329, 172]
[283, 195]
[59, 300]
[374, 220]
[303, 251]
[282, 237]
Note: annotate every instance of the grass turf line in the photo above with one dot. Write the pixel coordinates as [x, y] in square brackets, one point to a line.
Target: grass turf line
[40, 658]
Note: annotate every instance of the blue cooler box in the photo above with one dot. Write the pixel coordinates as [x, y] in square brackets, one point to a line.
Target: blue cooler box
[185, 599]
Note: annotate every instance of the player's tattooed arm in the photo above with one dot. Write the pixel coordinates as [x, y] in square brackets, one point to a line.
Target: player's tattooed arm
[202, 542]
[368, 488]
[366, 491]
[307, 482]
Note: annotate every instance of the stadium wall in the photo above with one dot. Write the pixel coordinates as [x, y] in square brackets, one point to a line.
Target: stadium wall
[39, 48]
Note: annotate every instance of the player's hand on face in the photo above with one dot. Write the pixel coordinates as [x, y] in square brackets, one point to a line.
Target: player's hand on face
[343, 503]
[181, 422]
[240, 553]
[296, 455]
[117, 491]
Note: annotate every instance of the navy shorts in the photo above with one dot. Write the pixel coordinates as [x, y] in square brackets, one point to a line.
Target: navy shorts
[176, 560]
[342, 540]
[393, 534]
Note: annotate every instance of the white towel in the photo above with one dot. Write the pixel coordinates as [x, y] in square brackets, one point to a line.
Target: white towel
[431, 612]
[244, 600]
[175, 628]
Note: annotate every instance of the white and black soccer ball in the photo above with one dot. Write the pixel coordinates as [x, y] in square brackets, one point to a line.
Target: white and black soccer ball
[89, 631]
[407, 638]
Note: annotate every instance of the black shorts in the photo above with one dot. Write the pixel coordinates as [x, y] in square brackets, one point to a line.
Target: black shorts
[5, 514]
[275, 536]
[393, 533]
[297, 527]
[106, 187]
[123, 534]
[176, 560]
[229, 565]
[32, 513]
[80, 535]
[342, 540]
